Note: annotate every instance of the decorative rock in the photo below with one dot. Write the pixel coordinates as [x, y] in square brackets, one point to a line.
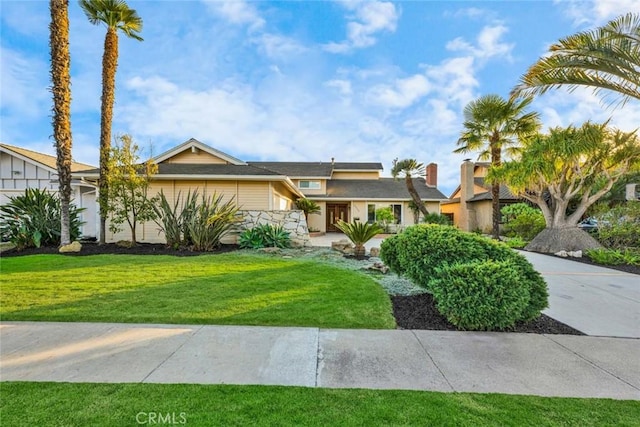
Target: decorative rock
[71, 247]
[377, 266]
[562, 254]
[575, 254]
[341, 245]
[374, 252]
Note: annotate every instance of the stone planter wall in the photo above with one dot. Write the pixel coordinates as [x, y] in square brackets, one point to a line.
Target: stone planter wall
[292, 221]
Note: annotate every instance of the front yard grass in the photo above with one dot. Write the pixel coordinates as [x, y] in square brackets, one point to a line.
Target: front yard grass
[79, 404]
[233, 288]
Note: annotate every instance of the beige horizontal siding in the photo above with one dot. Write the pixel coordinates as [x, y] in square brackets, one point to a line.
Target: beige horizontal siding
[355, 175]
[199, 157]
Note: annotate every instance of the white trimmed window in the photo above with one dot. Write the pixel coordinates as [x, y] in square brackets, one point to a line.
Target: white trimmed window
[309, 185]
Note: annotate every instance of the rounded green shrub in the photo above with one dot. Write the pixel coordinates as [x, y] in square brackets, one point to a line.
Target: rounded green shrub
[522, 220]
[480, 295]
[421, 251]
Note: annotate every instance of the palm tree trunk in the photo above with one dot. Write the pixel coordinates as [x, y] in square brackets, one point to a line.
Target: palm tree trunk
[109, 66]
[415, 196]
[61, 89]
[496, 160]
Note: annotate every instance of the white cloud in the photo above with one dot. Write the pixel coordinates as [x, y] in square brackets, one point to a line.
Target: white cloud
[343, 86]
[367, 19]
[591, 13]
[237, 12]
[402, 94]
[278, 47]
[564, 108]
[22, 84]
[454, 79]
[488, 44]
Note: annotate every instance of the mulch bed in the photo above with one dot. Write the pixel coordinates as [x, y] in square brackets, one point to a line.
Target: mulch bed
[93, 248]
[419, 312]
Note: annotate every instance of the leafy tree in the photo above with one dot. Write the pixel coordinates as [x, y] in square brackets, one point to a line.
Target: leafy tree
[61, 90]
[308, 207]
[410, 167]
[116, 15]
[129, 183]
[569, 166]
[606, 58]
[492, 124]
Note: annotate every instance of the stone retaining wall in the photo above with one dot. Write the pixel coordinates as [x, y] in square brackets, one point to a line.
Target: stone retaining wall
[292, 221]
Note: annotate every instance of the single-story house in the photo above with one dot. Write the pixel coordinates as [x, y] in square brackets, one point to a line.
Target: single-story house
[469, 206]
[344, 190]
[21, 169]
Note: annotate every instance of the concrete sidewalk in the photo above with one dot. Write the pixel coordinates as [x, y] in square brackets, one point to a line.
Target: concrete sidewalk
[545, 365]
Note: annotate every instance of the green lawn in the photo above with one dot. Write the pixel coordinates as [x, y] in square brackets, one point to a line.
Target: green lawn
[234, 288]
[66, 404]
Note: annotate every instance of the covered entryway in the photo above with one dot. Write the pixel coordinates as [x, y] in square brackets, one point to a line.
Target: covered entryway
[335, 212]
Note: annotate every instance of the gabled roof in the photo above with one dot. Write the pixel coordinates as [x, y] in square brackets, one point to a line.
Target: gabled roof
[45, 160]
[321, 170]
[195, 144]
[298, 169]
[382, 189]
[212, 169]
[505, 193]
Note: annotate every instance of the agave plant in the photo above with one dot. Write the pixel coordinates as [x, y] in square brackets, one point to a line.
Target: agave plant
[359, 233]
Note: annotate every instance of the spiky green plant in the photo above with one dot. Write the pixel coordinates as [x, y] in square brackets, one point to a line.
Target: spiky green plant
[208, 222]
[33, 219]
[359, 233]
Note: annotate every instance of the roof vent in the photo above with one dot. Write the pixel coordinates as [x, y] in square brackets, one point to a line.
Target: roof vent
[194, 149]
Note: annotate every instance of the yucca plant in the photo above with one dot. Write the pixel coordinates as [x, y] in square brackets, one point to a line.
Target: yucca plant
[33, 219]
[359, 233]
[172, 219]
[208, 222]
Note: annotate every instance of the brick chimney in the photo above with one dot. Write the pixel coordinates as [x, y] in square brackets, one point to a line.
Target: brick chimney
[431, 175]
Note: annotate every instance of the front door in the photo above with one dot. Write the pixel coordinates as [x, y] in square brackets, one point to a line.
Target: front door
[334, 213]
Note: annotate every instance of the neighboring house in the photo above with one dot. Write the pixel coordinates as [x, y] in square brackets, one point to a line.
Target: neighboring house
[343, 190]
[21, 169]
[470, 205]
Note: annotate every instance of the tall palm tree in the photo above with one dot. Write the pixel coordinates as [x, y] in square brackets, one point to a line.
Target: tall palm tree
[410, 167]
[116, 15]
[606, 58]
[61, 90]
[492, 124]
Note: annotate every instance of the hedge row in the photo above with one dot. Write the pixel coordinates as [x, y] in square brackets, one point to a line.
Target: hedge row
[478, 283]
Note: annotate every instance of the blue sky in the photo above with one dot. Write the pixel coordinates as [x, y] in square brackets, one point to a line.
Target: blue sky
[298, 80]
